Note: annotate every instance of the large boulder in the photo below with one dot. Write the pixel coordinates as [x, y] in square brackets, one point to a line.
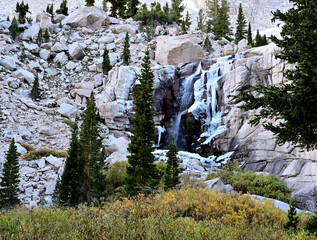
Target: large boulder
[75, 51]
[9, 63]
[173, 50]
[32, 32]
[90, 17]
[24, 75]
[45, 20]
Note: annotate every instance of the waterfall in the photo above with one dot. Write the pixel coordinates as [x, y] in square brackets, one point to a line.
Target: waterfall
[205, 110]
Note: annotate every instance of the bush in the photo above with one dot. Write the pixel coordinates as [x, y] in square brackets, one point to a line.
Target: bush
[177, 214]
[28, 147]
[43, 152]
[311, 224]
[268, 186]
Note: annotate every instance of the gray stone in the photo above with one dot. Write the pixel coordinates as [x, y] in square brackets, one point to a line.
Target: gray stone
[24, 75]
[9, 63]
[45, 54]
[56, 162]
[67, 110]
[75, 51]
[61, 58]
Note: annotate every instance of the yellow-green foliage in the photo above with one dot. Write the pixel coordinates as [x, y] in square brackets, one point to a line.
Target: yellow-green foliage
[28, 147]
[179, 214]
[43, 152]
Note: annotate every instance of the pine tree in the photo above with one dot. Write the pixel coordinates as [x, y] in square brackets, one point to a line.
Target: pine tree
[91, 157]
[293, 219]
[39, 39]
[9, 185]
[207, 44]
[106, 66]
[104, 5]
[63, 9]
[241, 25]
[90, 3]
[14, 28]
[166, 9]
[292, 106]
[201, 21]
[36, 91]
[132, 8]
[220, 22]
[176, 11]
[311, 224]
[118, 8]
[67, 190]
[50, 9]
[258, 39]
[142, 175]
[171, 178]
[264, 40]
[250, 41]
[8, 19]
[22, 9]
[46, 36]
[126, 50]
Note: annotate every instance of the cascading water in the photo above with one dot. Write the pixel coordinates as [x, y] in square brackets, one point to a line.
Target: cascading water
[206, 110]
[176, 130]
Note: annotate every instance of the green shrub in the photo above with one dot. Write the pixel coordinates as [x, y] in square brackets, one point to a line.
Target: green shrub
[311, 224]
[268, 186]
[43, 152]
[115, 176]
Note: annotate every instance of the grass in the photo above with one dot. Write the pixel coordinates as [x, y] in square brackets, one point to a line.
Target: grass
[178, 214]
[34, 154]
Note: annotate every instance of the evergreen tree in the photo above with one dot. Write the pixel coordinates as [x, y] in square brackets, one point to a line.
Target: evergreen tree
[50, 9]
[126, 50]
[213, 8]
[142, 175]
[8, 19]
[46, 36]
[14, 28]
[264, 40]
[106, 66]
[39, 39]
[67, 190]
[36, 91]
[166, 9]
[22, 9]
[187, 21]
[9, 185]
[63, 9]
[250, 41]
[220, 22]
[118, 8]
[91, 157]
[258, 39]
[104, 5]
[171, 178]
[292, 106]
[293, 219]
[207, 44]
[241, 25]
[311, 224]
[132, 8]
[90, 3]
[201, 21]
[176, 11]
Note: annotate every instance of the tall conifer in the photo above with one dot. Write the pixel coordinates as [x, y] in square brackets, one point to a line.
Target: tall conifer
[14, 28]
[36, 91]
[241, 25]
[171, 178]
[142, 175]
[67, 191]
[250, 41]
[9, 185]
[176, 11]
[106, 66]
[126, 50]
[91, 157]
[293, 106]
[132, 8]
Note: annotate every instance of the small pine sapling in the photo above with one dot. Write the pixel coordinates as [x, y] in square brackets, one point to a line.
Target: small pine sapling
[207, 45]
[36, 91]
[171, 178]
[90, 3]
[106, 66]
[14, 29]
[311, 224]
[46, 36]
[39, 39]
[126, 50]
[63, 9]
[250, 41]
[8, 18]
[293, 219]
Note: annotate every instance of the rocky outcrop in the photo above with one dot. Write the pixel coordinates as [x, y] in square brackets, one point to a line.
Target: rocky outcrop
[90, 17]
[173, 50]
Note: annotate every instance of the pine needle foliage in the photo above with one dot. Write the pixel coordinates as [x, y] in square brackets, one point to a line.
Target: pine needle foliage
[176, 11]
[36, 91]
[132, 8]
[63, 9]
[293, 106]
[241, 25]
[293, 219]
[142, 175]
[39, 39]
[126, 50]
[90, 3]
[22, 9]
[201, 21]
[46, 36]
[91, 157]
[207, 45]
[67, 190]
[14, 28]
[250, 40]
[9, 185]
[171, 177]
[311, 224]
[106, 66]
